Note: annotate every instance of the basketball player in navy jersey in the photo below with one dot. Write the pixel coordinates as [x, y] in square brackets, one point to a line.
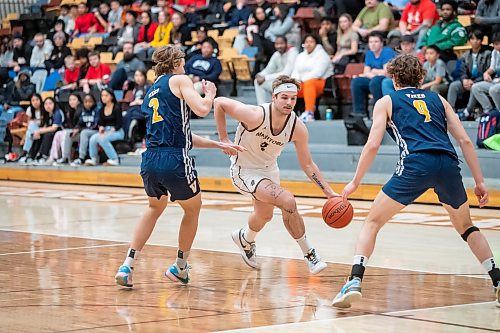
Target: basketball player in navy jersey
[264, 130]
[418, 120]
[167, 168]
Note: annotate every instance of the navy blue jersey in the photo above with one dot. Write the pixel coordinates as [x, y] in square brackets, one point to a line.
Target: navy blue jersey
[167, 117]
[418, 122]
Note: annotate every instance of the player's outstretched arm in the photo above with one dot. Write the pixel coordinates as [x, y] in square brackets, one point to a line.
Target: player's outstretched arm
[380, 115]
[201, 106]
[300, 139]
[458, 132]
[227, 148]
[248, 115]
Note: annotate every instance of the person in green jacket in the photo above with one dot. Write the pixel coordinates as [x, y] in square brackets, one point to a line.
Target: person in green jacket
[447, 32]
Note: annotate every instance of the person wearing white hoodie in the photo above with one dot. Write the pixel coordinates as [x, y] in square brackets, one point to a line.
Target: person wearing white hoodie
[312, 68]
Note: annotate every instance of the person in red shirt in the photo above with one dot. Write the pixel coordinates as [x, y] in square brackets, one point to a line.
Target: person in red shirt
[146, 34]
[418, 16]
[86, 23]
[97, 75]
[71, 73]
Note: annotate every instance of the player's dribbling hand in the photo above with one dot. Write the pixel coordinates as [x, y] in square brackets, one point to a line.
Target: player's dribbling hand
[349, 189]
[209, 88]
[230, 148]
[481, 193]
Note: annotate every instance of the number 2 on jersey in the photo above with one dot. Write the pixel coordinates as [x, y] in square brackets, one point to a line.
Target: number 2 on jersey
[421, 107]
[155, 104]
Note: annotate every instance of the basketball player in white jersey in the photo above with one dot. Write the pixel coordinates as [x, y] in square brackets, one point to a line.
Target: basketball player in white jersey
[264, 130]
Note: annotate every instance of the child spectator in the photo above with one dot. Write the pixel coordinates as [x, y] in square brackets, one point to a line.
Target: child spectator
[435, 68]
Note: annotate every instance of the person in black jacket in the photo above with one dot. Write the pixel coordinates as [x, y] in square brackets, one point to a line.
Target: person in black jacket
[85, 128]
[21, 58]
[20, 90]
[110, 129]
[473, 64]
[59, 52]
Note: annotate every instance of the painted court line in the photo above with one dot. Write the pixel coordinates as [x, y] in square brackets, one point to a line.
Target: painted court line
[63, 249]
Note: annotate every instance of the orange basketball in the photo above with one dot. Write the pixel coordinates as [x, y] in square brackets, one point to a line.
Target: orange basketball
[337, 213]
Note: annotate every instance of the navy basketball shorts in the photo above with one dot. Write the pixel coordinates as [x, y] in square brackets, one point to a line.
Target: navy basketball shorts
[421, 171]
[166, 171]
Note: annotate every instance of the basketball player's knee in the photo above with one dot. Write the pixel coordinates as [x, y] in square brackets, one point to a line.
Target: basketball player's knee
[468, 232]
[288, 203]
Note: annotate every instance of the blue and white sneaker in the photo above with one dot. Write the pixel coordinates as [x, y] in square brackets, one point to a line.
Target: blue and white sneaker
[124, 276]
[175, 274]
[350, 292]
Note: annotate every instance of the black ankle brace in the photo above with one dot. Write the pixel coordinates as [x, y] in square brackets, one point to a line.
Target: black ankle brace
[357, 271]
[495, 276]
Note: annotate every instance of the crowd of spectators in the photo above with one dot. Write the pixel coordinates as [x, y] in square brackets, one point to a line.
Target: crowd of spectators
[95, 105]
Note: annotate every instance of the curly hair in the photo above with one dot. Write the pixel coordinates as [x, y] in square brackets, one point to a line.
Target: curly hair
[166, 59]
[285, 79]
[406, 70]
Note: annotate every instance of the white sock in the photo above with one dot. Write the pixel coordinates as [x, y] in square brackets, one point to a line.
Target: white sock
[181, 260]
[304, 244]
[489, 264]
[360, 260]
[249, 235]
[131, 256]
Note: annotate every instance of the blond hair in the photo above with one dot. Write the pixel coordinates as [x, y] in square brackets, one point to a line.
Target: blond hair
[166, 59]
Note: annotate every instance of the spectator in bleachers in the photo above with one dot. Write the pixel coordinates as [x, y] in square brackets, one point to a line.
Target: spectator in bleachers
[446, 33]
[126, 68]
[491, 84]
[63, 139]
[376, 16]
[51, 122]
[487, 17]
[370, 82]
[34, 112]
[71, 73]
[64, 14]
[146, 35]
[146, 7]
[85, 22]
[203, 66]
[312, 68]
[266, 7]
[134, 112]
[59, 26]
[82, 55]
[21, 54]
[281, 25]
[87, 126]
[281, 63]
[201, 37]
[6, 53]
[17, 91]
[435, 71]
[102, 19]
[237, 15]
[258, 23]
[41, 52]
[417, 18]
[347, 44]
[110, 129]
[128, 33]
[407, 46]
[475, 63]
[59, 53]
[328, 35]
[115, 18]
[70, 25]
[98, 74]
[162, 33]
[180, 32]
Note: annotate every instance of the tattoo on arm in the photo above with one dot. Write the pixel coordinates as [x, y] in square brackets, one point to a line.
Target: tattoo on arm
[316, 179]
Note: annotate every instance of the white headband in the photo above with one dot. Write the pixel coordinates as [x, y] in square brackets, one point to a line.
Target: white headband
[289, 87]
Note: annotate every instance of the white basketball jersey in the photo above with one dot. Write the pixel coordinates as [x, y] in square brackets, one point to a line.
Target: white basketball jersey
[263, 146]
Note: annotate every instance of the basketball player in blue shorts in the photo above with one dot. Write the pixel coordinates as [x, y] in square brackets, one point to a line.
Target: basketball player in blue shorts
[167, 168]
[418, 120]
[264, 130]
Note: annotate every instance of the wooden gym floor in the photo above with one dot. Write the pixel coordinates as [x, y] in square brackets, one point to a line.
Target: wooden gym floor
[60, 246]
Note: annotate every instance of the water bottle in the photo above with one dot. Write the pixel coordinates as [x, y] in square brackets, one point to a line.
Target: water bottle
[329, 114]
